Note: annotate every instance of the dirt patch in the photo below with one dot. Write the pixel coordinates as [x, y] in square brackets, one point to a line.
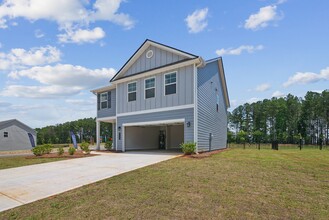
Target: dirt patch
[204, 154]
[77, 154]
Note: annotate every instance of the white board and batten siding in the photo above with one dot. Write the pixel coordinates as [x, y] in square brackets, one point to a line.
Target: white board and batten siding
[209, 120]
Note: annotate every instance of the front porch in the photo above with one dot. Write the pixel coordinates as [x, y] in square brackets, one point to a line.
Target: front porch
[99, 138]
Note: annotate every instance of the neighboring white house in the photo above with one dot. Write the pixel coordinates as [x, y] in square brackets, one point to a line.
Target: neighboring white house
[163, 96]
[14, 135]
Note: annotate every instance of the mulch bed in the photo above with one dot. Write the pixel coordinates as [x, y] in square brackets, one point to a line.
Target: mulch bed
[77, 154]
[205, 154]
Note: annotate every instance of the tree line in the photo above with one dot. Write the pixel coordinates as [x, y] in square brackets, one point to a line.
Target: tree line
[84, 129]
[286, 120]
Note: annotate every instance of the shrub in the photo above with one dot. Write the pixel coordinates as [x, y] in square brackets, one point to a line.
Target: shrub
[71, 150]
[108, 145]
[38, 150]
[188, 147]
[47, 148]
[60, 151]
[85, 147]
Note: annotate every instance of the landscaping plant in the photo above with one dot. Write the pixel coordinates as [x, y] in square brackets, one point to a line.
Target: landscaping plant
[108, 145]
[38, 150]
[188, 147]
[85, 147]
[47, 148]
[60, 151]
[71, 150]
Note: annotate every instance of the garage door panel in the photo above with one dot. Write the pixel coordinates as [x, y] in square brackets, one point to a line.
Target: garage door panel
[137, 138]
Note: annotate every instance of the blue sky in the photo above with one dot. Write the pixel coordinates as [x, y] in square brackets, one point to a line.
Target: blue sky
[53, 52]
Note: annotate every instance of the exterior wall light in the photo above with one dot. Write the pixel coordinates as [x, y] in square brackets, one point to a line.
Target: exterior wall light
[188, 124]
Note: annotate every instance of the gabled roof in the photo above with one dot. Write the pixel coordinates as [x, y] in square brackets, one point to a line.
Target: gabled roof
[140, 51]
[5, 124]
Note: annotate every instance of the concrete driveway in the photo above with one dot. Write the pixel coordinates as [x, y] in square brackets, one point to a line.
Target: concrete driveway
[27, 184]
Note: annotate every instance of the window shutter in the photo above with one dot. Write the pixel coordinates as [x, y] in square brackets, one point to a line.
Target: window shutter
[98, 101]
[108, 99]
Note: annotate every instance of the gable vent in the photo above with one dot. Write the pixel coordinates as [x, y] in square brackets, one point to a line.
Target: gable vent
[149, 54]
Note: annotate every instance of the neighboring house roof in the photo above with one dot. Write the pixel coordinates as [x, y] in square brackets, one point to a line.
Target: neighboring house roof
[5, 124]
[142, 49]
[222, 78]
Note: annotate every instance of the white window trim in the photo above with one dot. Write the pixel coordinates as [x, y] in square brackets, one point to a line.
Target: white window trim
[164, 81]
[107, 100]
[150, 87]
[131, 92]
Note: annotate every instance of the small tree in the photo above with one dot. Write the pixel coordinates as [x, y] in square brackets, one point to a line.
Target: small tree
[257, 137]
[230, 137]
[242, 136]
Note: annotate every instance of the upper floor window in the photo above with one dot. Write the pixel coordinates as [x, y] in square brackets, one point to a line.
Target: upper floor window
[5, 134]
[104, 100]
[170, 83]
[149, 88]
[132, 91]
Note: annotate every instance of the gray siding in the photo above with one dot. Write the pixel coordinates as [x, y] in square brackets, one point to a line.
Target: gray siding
[209, 120]
[17, 139]
[159, 58]
[183, 96]
[108, 112]
[187, 114]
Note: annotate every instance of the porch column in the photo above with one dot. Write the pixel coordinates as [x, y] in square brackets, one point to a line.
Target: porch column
[98, 128]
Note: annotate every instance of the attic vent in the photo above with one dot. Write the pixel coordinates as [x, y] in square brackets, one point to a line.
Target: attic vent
[149, 54]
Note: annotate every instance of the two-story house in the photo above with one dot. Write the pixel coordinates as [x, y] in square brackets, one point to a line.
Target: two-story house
[162, 97]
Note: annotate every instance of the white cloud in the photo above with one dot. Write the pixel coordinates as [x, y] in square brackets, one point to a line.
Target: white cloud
[69, 15]
[38, 33]
[239, 50]
[262, 18]
[66, 75]
[281, 2]
[39, 91]
[4, 104]
[262, 87]
[196, 22]
[18, 57]
[81, 36]
[81, 102]
[252, 100]
[278, 94]
[307, 77]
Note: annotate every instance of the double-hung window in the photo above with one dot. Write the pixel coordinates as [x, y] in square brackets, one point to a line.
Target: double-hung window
[170, 83]
[5, 134]
[131, 91]
[149, 88]
[103, 100]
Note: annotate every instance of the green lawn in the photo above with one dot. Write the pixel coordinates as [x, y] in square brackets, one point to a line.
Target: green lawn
[234, 184]
[18, 161]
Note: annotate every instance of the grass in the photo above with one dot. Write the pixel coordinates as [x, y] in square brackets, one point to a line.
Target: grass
[235, 184]
[18, 161]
